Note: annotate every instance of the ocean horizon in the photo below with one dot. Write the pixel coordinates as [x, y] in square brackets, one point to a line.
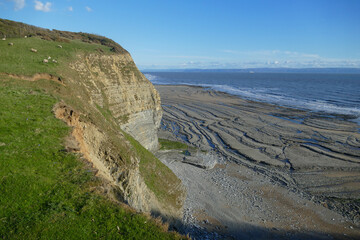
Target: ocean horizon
[329, 93]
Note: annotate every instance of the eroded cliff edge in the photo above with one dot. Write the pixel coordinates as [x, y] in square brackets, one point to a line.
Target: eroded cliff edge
[129, 107]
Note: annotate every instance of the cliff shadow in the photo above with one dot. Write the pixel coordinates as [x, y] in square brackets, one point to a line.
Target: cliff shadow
[245, 231]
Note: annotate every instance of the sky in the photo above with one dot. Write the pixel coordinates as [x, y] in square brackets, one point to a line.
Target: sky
[177, 34]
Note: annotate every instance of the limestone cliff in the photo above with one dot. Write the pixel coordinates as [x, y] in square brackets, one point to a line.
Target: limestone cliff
[114, 81]
[111, 85]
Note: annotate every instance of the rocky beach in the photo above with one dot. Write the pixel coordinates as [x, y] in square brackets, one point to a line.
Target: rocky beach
[262, 171]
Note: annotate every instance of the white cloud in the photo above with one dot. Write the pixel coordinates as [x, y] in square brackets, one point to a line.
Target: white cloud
[70, 9]
[88, 9]
[319, 63]
[189, 57]
[18, 4]
[271, 55]
[234, 59]
[39, 6]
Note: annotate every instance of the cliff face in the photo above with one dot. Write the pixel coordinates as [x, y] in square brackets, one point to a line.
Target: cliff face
[122, 177]
[111, 85]
[113, 81]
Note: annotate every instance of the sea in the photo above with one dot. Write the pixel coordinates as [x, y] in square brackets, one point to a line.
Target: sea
[329, 93]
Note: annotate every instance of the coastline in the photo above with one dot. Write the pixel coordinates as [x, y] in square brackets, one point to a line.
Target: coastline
[349, 117]
[324, 93]
[305, 158]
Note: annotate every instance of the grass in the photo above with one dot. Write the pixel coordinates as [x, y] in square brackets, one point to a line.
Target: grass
[157, 176]
[18, 59]
[168, 144]
[45, 191]
[12, 29]
[105, 112]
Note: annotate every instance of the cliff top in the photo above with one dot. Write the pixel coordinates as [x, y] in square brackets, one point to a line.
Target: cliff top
[12, 29]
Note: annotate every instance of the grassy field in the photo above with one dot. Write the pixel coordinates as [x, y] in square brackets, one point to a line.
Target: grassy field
[19, 59]
[12, 29]
[45, 191]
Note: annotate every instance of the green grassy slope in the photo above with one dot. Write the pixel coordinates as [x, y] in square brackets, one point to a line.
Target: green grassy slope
[46, 192]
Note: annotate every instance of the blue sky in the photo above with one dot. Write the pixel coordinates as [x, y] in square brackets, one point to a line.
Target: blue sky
[210, 33]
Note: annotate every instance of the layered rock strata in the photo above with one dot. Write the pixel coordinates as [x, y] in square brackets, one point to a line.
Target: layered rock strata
[113, 81]
[122, 177]
[116, 95]
[97, 148]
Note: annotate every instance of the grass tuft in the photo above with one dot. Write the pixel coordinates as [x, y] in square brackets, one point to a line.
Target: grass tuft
[168, 144]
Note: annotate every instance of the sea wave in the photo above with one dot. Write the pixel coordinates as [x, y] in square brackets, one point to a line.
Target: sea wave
[151, 77]
[267, 95]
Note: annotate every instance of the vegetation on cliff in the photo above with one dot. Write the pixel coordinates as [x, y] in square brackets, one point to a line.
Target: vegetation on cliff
[47, 191]
[166, 144]
[19, 59]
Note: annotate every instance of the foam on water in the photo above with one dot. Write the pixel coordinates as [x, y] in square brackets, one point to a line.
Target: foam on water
[267, 95]
[151, 78]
